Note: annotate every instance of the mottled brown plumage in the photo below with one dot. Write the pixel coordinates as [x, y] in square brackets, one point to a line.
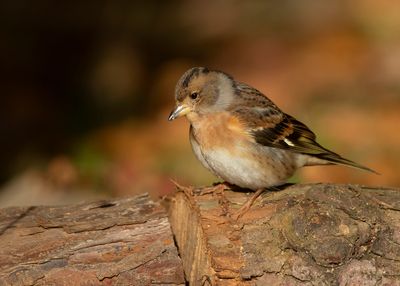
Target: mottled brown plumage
[241, 136]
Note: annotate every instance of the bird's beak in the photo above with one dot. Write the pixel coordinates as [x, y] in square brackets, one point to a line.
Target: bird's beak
[180, 110]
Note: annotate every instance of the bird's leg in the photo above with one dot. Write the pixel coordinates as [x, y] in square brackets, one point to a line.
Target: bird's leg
[247, 205]
[215, 188]
[187, 190]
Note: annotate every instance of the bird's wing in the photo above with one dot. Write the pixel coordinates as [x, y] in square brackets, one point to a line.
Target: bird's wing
[269, 126]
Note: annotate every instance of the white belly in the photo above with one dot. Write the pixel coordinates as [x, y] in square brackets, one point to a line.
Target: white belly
[254, 168]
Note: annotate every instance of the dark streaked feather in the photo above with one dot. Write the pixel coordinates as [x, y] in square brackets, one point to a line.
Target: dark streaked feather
[285, 132]
[192, 73]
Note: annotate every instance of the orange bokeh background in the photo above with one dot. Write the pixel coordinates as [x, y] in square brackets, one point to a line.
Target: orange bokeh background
[87, 88]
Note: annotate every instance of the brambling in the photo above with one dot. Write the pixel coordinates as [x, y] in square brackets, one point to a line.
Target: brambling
[241, 136]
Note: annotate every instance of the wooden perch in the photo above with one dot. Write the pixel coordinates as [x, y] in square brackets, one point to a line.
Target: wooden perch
[117, 242]
[320, 234]
[303, 235]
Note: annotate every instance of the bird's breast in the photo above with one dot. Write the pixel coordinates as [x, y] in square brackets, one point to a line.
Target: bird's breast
[222, 146]
[219, 130]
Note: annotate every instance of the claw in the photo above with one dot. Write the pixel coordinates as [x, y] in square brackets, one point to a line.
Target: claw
[215, 188]
[247, 205]
[186, 190]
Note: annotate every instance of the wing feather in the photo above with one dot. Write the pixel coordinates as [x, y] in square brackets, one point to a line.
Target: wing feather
[271, 127]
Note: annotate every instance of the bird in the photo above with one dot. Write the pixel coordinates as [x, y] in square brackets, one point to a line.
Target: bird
[243, 137]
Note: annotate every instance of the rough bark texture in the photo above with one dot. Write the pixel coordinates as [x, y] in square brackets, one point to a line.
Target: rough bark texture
[318, 234]
[118, 242]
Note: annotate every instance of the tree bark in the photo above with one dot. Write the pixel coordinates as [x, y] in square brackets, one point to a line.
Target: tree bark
[319, 234]
[116, 242]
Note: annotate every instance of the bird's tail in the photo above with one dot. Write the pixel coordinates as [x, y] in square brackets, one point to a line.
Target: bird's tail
[333, 158]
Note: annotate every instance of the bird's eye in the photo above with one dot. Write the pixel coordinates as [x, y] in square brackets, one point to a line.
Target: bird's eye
[194, 95]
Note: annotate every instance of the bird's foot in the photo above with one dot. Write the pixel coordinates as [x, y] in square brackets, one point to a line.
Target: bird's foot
[189, 191]
[217, 188]
[247, 205]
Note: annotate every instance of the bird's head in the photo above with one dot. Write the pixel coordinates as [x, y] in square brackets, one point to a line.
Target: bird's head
[200, 91]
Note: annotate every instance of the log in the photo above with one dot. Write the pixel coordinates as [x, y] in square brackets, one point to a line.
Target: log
[312, 234]
[115, 242]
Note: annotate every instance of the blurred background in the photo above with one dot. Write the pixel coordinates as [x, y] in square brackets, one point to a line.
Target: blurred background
[86, 88]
